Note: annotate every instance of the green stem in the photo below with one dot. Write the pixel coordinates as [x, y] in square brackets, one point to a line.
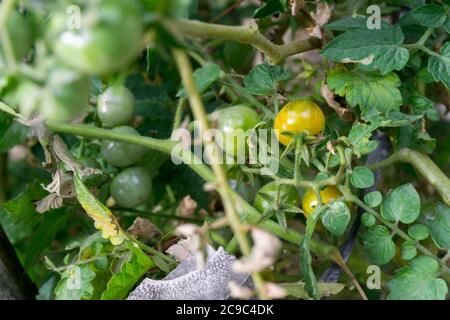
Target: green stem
[244, 34]
[425, 166]
[185, 69]
[179, 113]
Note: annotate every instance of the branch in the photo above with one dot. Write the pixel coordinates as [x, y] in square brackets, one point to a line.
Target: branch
[244, 34]
[425, 166]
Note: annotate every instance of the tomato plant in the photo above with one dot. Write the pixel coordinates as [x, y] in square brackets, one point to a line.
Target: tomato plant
[115, 117]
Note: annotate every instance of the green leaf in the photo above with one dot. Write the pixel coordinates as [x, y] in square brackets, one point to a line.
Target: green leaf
[133, 269]
[430, 15]
[408, 250]
[418, 232]
[374, 93]
[353, 22]
[204, 77]
[368, 220]
[269, 8]
[401, 204]
[447, 25]
[440, 226]
[336, 218]
[423, 106]
[374, 49]
[263, 78]
[418, 281]
[75, 283]
[359, 137]
[412, 136]
[362, 177]
[12, 135]
[373, 199]
[380, 248]
[439, 65]
[394, 119]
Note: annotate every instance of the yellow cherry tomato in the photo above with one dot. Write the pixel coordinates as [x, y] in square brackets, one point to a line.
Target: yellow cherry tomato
[309, 201]
[299, 116]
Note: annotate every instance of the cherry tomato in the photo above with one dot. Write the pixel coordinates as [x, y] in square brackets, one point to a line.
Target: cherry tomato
[230, 120]
[20, 32]
[288, 195]
[115, 106]
[309, 201]
[299, 116]
[108, 39]
[132, 187]
[65, 96]
[120, 154]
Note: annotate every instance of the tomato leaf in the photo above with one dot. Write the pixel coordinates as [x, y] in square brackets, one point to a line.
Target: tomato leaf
[263, 79]
[373, 199]
[440, 226]
[439, 65]
[430, 15]
[362, 177]
[204, 78]
[380, 248]
[401, 204]
[372, 92]
[269, 8]
[121, 283]
[418, 281]
[418, 232]
[359, 137]
[75, 283]
[336, 218]
[373, 49]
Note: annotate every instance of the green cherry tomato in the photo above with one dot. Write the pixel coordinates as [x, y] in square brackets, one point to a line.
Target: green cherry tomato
[132, 187]
[230, 120]
[20, 32]
[115, 106]
[65, 96]
[120, 154]
[109, 38]
[288, 195]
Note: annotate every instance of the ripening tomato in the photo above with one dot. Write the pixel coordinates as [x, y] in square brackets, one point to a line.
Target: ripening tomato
[299, 116]
[115, 106]
[288, 195]
[132, 187]
[65, 96]
[108, 38]
[233, 120]
[309, 201]
[120, 154]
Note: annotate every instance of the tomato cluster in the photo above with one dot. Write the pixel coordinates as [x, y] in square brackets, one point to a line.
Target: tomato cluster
[296, 117]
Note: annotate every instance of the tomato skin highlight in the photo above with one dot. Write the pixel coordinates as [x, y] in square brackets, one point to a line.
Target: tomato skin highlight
[120, 154]
[288, 195]
[232, 119]
[310, 201]
[299, 116]
[115, 106]
[132, 187]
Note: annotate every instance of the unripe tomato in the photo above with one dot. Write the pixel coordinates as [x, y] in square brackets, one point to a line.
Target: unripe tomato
[66, 95]
[132, 187]
[20, 32]
[309, 201]
[230, 120]
[120, 154]
[115, 106]
[299, 116]
[109, 38]
[288, 195]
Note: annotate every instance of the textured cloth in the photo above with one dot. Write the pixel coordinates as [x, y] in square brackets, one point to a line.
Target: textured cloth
[186, 282]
